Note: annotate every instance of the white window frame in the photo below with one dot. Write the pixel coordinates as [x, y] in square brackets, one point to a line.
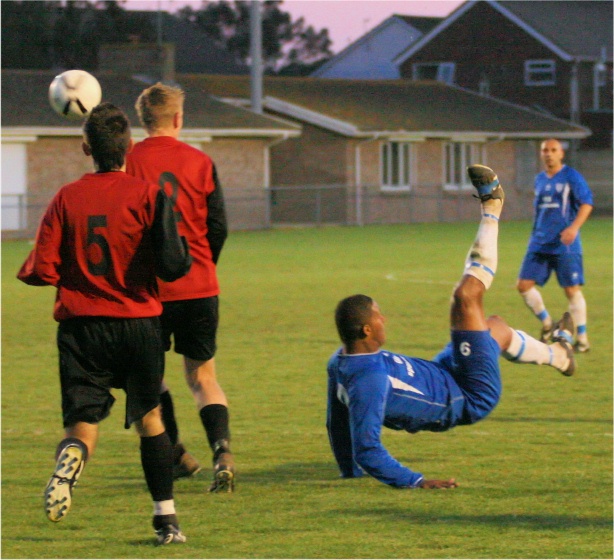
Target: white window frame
[540, 72]
[445, 71]
[399, 179]
[456, 157]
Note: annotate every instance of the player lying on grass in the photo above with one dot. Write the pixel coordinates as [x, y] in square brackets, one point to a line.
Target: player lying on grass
[102, 241]
[369, 387]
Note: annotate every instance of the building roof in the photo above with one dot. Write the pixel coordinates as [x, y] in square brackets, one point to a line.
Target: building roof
[579, 28]
[25, 104]
[410, 23]
[393, 108]
[194, 51]
[569, 28]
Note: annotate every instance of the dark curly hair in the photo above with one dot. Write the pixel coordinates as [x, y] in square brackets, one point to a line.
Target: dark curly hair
[107, 132]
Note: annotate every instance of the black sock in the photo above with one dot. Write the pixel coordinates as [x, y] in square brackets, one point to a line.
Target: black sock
[71, 441]
[160, 521]
[157, 462]
[215, 421]
[168, 416]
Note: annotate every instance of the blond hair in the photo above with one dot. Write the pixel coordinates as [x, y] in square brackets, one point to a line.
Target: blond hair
[158, 104]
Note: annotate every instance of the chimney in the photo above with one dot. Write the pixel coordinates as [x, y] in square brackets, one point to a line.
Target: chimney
[156, 62]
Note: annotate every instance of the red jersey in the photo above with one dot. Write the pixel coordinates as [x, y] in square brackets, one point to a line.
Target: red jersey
[94, 245]
[188, 177]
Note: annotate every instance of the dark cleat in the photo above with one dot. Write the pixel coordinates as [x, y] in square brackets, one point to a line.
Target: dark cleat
[185, 466]
[168, 534]
[223, 469]
[581, 347]
[58, 493]
[485, 180]
[546, 334]
[563, 335]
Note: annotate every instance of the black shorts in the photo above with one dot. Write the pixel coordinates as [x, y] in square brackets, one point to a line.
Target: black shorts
[101, 353]
[193, 325]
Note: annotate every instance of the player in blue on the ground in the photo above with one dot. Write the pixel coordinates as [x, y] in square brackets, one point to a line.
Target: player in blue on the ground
[369, 387]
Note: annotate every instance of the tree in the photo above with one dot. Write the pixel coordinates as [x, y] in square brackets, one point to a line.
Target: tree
[25, 34]
[288, 47]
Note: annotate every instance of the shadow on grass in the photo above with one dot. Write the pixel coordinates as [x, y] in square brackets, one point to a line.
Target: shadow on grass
[536, 522]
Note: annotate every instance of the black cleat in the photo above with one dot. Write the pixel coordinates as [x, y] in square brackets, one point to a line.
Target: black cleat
[581, 347]
[223, 469]
[185, 466]
[58, 493]
[485, 180]
[563, 335]
[168, 534]
[546, 334]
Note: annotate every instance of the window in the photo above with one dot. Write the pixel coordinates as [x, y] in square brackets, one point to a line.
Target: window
[458, 155]
[396, 165]
[539, 73]
[440, 71]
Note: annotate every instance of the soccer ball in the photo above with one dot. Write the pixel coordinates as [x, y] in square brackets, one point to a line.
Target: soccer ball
[74, 93]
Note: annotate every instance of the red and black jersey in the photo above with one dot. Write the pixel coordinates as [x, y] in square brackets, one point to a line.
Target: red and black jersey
[189, 179]
[101, 242]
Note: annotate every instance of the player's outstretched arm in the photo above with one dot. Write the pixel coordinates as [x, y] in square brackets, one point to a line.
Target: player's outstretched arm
[438, 484]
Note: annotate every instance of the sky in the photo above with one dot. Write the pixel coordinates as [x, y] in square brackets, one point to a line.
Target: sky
[346, 20]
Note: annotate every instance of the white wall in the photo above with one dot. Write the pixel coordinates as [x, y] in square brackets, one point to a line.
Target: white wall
[13, 186]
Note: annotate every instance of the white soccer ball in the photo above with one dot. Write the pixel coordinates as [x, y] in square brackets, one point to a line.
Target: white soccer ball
[74, 93]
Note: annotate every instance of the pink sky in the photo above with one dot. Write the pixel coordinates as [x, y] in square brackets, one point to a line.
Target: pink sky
[346, 20]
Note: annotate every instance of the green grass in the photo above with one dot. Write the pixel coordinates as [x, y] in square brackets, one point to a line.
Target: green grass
[535, 477]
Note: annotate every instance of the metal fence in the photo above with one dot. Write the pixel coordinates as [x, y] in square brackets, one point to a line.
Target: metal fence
[313, 205]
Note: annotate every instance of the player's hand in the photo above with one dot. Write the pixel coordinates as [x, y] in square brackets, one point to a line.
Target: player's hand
[568, 235]
[437, 484]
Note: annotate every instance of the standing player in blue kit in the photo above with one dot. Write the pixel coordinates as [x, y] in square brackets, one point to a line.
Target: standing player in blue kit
[563, 202]
[369, 387]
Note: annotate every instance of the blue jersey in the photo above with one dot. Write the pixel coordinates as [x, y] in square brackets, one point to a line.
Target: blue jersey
[556, 204]
[366, 391]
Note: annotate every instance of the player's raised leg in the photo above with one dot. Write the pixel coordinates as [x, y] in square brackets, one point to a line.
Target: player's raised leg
[71, 455]
[520, 347]
[467, 311]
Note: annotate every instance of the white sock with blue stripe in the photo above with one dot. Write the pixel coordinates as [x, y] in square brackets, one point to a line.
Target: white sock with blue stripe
[524, 349]
[577, 308]
[534, 301]
[481, 261]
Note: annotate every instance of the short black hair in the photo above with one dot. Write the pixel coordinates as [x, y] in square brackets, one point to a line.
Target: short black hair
[107, 132]
[351, 315]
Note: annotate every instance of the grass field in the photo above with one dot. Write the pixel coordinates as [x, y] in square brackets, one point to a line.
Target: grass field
[535, 477]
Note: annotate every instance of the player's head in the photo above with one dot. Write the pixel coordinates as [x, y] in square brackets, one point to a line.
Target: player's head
[160, 107]
[358, 318]
[107, 137]
[552, 153]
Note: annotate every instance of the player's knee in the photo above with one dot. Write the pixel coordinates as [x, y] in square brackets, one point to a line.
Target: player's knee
[469, 291]
[524, 286]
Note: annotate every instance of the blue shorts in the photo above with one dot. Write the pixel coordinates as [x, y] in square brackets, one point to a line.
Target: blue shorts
[472, 358]
[539, 266]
